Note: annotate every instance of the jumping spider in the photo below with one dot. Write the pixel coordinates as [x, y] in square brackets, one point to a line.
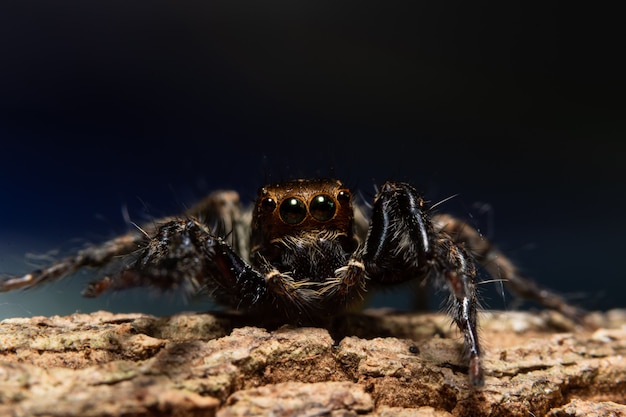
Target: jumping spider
[302, 252]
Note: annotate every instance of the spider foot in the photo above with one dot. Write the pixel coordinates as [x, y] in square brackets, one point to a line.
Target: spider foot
[476, 374]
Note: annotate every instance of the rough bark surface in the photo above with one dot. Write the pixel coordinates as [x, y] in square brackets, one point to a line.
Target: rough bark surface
[376, 364]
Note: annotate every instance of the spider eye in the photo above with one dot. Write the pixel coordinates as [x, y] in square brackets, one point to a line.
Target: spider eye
[292, 210]
[322, 207]
[343, 196]
[268, 205]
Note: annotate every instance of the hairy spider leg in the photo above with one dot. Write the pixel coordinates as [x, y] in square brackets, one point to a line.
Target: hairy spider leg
[500, 267]
[402, 245]
[93, 256]
[460, 272]
[185, 254]
[222, 212]
[222, 205]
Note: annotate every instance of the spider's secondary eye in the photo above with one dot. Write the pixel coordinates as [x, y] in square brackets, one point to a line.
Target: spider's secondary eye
[292, 210]
[268, 205]
[322, 207]
[343, 196]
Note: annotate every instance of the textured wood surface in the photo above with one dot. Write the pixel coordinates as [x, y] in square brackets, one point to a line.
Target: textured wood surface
[375, 364]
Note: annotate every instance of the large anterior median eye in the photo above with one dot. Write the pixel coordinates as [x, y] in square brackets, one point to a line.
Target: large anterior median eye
[292, 210]
[322, 207]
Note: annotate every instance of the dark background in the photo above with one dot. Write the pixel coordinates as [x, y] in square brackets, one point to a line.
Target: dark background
[146, 106]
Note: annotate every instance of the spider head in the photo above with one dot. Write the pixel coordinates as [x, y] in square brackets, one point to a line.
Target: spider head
[301, 206]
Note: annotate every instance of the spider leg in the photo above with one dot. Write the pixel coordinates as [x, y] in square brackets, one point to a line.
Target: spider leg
[460, 273]
[403, 245]
[94, 256]
[398, 244]
[184, 254]
[221, 209]
[222, 212]
[500, 266]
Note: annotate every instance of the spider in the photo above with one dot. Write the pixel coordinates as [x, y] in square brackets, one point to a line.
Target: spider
[302, 252]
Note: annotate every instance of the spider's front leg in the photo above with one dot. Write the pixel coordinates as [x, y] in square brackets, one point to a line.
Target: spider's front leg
[185, 254]
[500, 267]
[143, 255]
[403, 245]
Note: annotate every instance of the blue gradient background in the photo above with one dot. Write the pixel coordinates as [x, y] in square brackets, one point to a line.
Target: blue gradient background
[145, 106]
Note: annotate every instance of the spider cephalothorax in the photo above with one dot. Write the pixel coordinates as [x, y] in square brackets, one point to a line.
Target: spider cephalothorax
[304, 252]
[303, 228]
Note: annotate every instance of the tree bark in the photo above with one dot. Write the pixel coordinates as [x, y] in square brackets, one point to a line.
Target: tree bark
[372, 364]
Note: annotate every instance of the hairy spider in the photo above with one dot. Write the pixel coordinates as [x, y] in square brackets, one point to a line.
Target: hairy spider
[304, 251]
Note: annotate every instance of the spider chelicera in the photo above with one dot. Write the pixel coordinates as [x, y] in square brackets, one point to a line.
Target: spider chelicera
[304, 251]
